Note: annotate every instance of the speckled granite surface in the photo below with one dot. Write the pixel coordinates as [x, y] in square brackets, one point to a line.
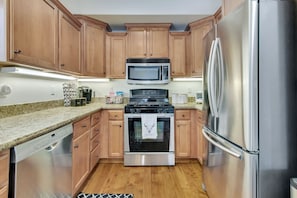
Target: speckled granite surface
[13, 110]
[15, 130]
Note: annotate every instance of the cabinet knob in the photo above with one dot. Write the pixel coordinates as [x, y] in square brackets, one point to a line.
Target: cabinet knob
[76, 146]
[62, 65]
[18, 51]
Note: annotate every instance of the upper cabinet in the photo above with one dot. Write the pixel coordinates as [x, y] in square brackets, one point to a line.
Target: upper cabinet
[116, 54]
[93, 46]
[148, 40]
[43, 33]
[178, 54]
[33, 33]
[198, 30]
[69, 43]
[230, 5]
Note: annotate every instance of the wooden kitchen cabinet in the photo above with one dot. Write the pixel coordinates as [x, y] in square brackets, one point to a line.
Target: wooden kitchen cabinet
[183, 133]
[178, 54]
[81, 153]
[34, 33]
[4, 172]
[202, 142]
[69, 43]
[93, 46]
[230, 5]
[115, 133]
[116, 54]
[95, 139]
[148, 40]
[198, 30]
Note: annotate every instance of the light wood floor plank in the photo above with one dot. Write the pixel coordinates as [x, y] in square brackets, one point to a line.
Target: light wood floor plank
[182, 180]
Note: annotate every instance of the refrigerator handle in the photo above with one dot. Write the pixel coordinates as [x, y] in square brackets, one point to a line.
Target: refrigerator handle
[210, 79]
[221, 73]
[212, 139]
[212, 90]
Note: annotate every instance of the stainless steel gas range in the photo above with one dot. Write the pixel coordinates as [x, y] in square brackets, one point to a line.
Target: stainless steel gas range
[149, 129]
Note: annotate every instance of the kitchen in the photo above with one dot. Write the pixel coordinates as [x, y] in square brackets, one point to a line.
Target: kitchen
[26, 93]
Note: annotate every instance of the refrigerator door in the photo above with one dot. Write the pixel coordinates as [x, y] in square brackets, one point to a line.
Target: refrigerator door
[231, 172]
[232, 78]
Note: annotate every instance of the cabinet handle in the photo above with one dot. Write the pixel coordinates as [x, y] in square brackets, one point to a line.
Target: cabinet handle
[76, 146]
[83, 126]
[17, 51]
[62, 65]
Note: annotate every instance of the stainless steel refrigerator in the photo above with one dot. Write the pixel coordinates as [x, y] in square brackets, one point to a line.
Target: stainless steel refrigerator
[250, 102]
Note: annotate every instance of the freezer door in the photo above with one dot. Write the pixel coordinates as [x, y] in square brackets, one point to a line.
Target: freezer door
[230, 172]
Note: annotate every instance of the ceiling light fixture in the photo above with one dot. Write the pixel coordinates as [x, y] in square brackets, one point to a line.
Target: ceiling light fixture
[33, 72]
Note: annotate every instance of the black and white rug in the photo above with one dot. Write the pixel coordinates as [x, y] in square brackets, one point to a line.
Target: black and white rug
[84, 195]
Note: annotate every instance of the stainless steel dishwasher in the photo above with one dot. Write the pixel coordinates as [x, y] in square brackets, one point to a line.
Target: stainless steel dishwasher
[42, 167]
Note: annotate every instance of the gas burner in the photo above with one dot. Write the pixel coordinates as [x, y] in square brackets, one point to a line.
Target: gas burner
[149, 101]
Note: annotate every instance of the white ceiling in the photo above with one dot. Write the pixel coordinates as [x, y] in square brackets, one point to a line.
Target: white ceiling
[118, 12]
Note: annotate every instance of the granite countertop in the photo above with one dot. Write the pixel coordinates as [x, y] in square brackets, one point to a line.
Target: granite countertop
[15, 130]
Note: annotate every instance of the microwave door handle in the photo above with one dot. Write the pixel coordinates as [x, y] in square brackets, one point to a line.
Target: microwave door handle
[161, 73]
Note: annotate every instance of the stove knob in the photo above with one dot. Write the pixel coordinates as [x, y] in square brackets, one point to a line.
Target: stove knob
[137, 110]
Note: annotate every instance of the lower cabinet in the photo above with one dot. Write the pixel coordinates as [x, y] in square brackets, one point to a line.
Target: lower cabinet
[189, 140]
[202, 142]
[95, 139]
[112, 134]
[81, 153]
[4, 170]
[183, 133]
[115, 134]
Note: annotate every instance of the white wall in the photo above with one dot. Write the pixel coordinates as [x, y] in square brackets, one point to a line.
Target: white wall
[25, 89]
[103, 89]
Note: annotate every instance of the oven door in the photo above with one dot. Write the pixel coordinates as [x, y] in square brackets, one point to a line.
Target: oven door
[133, 136]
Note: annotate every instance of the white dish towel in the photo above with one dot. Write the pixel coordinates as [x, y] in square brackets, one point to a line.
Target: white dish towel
[149, 126]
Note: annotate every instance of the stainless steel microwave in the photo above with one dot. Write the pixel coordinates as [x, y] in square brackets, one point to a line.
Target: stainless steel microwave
[147, 71]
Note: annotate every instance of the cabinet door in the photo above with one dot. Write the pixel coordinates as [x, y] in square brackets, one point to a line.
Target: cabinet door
[94, 50]
[158, 42]
[70, 45]
[115, 138]
[177, 54]
[34, 33]
[197, 35]
[4, 170]
[183, 138]
[137, 45]
[116, 56]
[80, 160]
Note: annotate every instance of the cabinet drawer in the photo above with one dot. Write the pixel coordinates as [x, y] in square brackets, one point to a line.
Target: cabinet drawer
[94, 157]
[4, 192]
[115, 115]
[95, 118]
[182, 114]
[4, 169]
[95, 131]
[81, 126]
[94, 143]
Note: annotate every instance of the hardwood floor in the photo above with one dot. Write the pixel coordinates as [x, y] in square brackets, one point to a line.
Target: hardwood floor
[181, 181]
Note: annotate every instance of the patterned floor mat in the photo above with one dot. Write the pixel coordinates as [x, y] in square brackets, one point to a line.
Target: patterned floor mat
[84, 195]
